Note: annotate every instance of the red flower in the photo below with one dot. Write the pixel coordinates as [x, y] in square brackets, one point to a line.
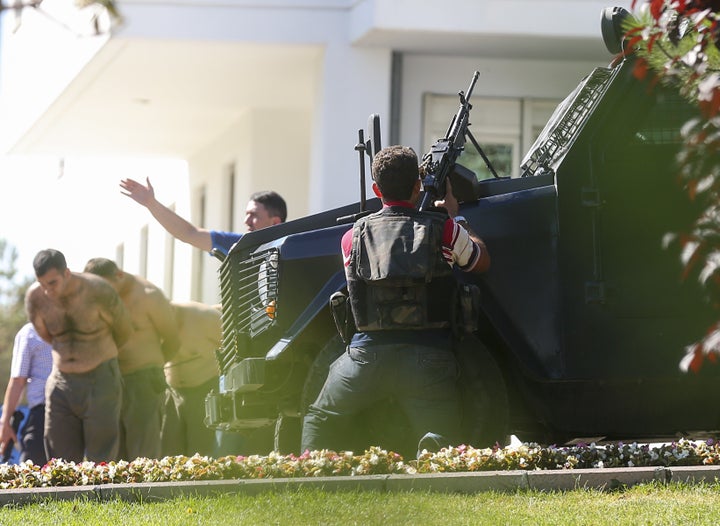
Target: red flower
[640, 70]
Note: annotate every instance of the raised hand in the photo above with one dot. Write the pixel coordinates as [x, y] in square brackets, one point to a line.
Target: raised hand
[137, 191]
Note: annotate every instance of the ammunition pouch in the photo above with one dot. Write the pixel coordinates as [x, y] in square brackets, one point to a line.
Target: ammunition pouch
[342, 315]
[467, 309]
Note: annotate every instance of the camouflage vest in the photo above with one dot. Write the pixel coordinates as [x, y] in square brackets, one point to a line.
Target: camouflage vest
[397, 277]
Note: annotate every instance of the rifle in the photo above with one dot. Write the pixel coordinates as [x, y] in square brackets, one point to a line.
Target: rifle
[439, 162]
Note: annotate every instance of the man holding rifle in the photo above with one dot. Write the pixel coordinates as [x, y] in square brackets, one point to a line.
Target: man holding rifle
[398, 265]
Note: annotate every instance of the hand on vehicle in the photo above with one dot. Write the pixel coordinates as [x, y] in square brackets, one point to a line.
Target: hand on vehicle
[449, 202]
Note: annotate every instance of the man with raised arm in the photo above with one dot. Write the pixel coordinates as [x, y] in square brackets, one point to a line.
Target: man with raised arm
[85, 321]
[263, 210]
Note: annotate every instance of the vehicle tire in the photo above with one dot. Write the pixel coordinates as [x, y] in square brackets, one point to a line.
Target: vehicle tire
[319, 370]
[483, 392]
[288, 430]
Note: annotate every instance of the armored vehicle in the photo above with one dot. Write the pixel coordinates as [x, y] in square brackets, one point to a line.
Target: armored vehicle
[583, 315]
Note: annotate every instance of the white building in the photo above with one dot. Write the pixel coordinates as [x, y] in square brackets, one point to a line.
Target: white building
[270, 94]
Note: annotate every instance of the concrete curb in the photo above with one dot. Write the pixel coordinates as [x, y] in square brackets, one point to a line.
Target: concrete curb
[560, 480]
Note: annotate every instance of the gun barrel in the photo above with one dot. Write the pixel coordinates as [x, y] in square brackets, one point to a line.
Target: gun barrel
[472, 85]
[460, 119]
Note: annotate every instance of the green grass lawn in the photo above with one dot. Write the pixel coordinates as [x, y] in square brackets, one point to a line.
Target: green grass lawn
[645, 504]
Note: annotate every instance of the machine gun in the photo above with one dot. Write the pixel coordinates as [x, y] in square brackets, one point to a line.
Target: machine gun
[439, 162]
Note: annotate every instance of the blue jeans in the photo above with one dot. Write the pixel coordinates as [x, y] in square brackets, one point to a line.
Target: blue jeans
[423, 381]
[33, 442]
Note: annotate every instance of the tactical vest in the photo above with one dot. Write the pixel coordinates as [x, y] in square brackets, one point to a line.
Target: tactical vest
[397, 277]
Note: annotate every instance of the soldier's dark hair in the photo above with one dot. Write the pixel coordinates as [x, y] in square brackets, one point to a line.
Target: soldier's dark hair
[102, 267]
[273, 203]
[395, 170]
[49, 259]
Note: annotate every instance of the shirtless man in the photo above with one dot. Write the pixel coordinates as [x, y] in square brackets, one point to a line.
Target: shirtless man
[141, 359]
[191, 374]
[83, 319]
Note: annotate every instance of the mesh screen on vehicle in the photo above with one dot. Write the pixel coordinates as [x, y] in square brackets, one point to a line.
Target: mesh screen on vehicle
[249, 293]
[565, 124]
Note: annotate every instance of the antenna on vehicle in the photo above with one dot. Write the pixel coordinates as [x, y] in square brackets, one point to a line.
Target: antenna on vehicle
[371, 147]
[361, 147]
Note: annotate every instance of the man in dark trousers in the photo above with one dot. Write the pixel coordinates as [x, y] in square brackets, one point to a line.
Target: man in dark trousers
[31, 365]
[85, 321]
[154, 341]
[191, 374]
[398, 264]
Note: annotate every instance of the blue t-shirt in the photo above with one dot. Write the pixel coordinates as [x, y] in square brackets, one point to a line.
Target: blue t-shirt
[223, 241]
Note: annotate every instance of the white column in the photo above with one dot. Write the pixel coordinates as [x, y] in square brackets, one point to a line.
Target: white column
[355, 84]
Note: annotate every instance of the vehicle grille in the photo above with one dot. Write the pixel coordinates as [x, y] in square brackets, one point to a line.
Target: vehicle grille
[249, 293]
[564, 125]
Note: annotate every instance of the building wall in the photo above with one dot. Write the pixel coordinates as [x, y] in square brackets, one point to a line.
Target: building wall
[552, 79]
[304, 149]
[270, 150]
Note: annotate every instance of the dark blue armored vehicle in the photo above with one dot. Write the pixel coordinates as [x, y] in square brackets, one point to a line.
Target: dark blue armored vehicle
[583, 315]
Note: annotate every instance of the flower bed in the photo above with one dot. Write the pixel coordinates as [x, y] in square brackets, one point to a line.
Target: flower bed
[58, 472]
